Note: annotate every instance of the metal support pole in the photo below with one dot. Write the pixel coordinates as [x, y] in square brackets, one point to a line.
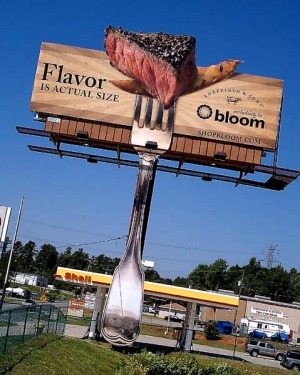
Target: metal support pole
[101, 308]
[189, 326]
[1, 249]
[96, 313]
[241, 282]
[10, 255]
[7, 331]
[168, 321]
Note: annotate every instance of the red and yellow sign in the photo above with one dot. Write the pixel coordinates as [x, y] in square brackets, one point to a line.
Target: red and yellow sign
[75, 307]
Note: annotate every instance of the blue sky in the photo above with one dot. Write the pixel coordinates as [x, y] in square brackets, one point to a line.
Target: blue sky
[71, 202]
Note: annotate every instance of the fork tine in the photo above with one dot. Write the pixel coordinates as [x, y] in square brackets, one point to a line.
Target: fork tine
[148, 112]
[171, 118]
[159, 116]
[137, 110]
[151, 130]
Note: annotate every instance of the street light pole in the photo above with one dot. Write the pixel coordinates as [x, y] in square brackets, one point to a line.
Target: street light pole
[10, 255]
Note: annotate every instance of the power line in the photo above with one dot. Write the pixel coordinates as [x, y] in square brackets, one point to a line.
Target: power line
[62, 227]
[95, 242]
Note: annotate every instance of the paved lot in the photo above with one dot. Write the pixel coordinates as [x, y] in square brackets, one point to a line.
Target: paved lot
[80, 332]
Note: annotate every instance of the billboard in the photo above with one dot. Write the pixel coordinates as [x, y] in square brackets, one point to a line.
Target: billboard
[4, 220]
[76, 82]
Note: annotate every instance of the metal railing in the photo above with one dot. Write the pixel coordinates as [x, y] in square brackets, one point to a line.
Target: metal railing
[24, 323]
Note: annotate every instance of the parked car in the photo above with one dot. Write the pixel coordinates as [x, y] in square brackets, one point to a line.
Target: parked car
[200, 324]
[259, 347]
[173, 318]
[258, 334]
[153, 310]
[280, 337]
[291, 360]
[29, 302]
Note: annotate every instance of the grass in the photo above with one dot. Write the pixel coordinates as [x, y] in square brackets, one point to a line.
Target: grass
[54, 355]
[84, 321]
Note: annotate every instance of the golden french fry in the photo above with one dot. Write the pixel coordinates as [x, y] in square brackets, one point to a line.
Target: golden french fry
[214, 73]
[206, 76]
[129, 85]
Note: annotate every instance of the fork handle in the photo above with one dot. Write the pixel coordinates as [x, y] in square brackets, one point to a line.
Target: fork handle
[122, 315]
[141, 204]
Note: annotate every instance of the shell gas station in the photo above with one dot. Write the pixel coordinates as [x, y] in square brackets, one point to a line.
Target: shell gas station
[192, 297]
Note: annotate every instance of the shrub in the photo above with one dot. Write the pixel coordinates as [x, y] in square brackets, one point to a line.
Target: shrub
[147, 363]
[211, 331]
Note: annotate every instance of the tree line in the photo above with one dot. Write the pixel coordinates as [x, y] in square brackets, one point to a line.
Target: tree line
[252, 279]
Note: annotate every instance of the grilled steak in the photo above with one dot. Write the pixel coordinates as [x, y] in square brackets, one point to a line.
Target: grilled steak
[163, 64]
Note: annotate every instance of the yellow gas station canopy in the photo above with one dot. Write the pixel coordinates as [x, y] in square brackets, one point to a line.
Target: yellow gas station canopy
[93, 279]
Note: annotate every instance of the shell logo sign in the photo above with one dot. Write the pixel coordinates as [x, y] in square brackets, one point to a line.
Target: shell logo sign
[78, 278]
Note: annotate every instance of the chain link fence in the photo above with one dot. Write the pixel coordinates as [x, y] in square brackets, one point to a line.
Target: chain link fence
[23, 323]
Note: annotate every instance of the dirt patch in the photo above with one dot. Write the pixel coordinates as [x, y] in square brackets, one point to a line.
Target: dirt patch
[225, 340]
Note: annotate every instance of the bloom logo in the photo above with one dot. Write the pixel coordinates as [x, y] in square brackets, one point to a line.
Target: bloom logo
[204, 111]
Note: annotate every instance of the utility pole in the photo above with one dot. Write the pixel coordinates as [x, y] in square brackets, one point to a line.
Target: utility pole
[10, 255]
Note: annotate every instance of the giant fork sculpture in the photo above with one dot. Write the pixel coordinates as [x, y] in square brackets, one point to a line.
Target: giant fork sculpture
[123, 309]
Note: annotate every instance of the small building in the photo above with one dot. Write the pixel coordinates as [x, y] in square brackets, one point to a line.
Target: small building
[31, 279]
[259, 308]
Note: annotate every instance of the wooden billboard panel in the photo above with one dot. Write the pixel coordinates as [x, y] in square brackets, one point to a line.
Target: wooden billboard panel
[116, 137]
[75, 82]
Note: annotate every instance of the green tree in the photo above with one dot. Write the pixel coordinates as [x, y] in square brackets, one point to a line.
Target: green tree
[104, 264]
[198, 277]
[65, 257]
[278, 285]
[165, 280]
[79, 260]
[152, 275]
[24, 257]
[295, 284]
[46, 261]
[217, 276]
[235, 279]
[18, 247]
[255, 277]
[182, 282]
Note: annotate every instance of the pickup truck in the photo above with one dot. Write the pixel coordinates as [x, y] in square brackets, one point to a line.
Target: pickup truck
[264, 348]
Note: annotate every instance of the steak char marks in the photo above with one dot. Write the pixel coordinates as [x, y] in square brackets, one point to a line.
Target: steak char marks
[163, 64]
